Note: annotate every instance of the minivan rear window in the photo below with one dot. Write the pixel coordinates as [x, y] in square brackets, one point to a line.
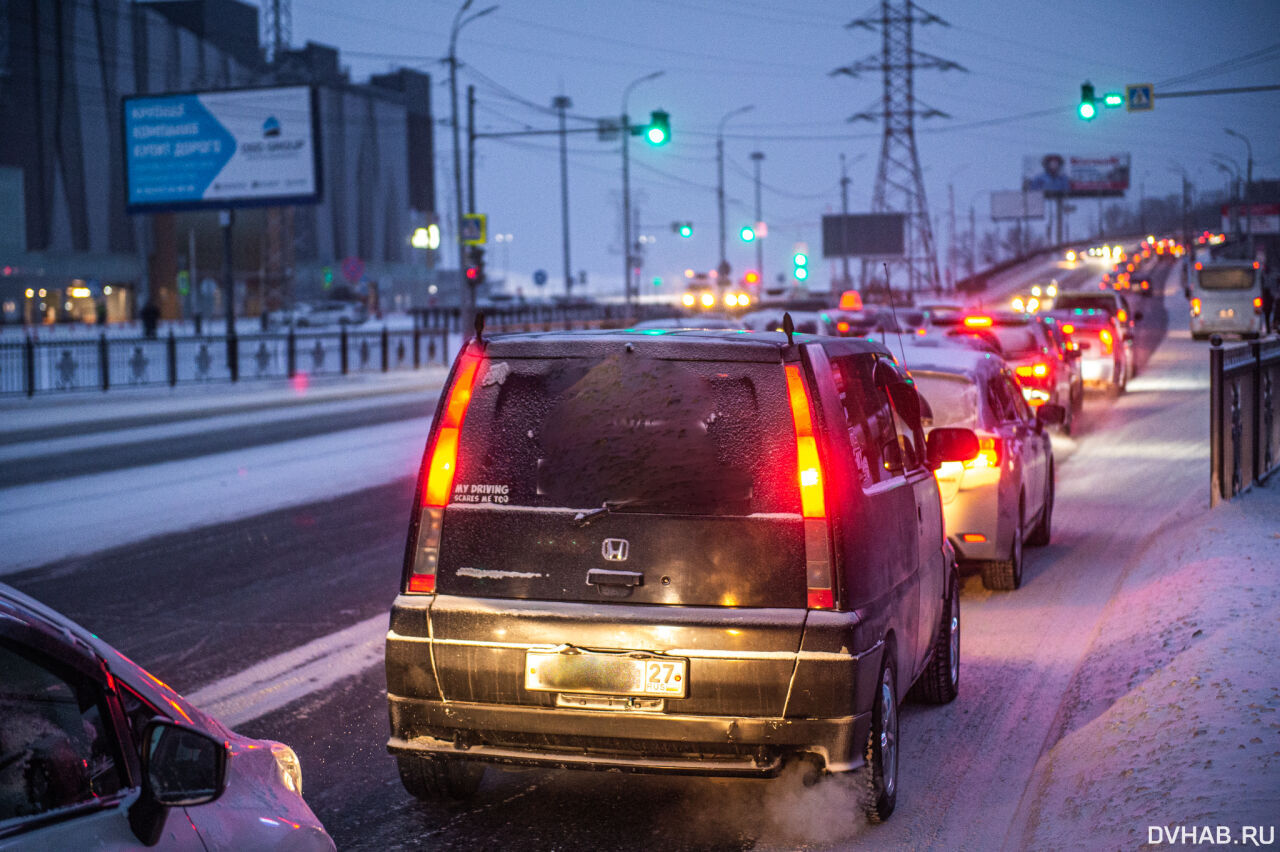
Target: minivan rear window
[643, 434]
[1229, 278]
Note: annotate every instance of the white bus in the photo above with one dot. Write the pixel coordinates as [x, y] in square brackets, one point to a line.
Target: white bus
[1226, 297]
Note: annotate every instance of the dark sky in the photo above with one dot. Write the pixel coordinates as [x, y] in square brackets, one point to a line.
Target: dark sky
[1024, 57]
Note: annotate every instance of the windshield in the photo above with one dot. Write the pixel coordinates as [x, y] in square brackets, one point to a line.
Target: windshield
[679, 437]
[1227, 278]
[954, 399]
[1016, 341]
[1079, 300]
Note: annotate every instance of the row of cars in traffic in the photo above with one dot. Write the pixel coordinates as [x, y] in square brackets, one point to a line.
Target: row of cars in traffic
[720, 545]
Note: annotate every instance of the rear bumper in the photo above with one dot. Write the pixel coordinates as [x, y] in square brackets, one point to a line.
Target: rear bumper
[622, 741]
[1098, 370]
[1207, 323]
[975, 510]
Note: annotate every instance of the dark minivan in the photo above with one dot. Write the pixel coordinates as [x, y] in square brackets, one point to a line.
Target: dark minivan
[695, 552]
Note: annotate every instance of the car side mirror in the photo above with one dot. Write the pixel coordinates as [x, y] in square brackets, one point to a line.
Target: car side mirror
[1051, 414]
[949, 443]
[181, 767]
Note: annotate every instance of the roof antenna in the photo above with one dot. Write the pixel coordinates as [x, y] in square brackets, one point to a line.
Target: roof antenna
[789, 326]
[480, 328]
[896, 325]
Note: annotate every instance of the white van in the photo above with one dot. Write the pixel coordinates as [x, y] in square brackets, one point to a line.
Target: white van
[1226, 297]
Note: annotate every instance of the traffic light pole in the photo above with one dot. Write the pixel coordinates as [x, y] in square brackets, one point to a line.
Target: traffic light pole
[562, 103]
[756, 158]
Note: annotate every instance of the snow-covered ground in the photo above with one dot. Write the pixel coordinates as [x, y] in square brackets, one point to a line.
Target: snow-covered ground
[1173, 718]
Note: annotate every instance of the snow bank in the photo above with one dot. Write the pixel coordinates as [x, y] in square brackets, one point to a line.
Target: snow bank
[1172, 718]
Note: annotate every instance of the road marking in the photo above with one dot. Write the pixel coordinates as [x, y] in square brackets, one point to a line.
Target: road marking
[284, 678]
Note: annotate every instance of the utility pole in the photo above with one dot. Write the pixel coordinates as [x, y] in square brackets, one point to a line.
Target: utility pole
[562, 103]
[973, 242]
[899, 179]
[951, 232]
[723, 267]
[846, 282]
[1248, 186]
[626, 185]
[756, 158]
[471, 149]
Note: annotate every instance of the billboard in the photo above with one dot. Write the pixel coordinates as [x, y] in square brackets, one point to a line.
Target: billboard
[864, 235]
[1266, 218]
[1072, 176]
[1012, 204]
[229, 148]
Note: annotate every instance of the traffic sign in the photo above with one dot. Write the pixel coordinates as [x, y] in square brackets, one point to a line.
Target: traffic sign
[352, 269]
[1140, 97]
[474, 229]
[540, 277]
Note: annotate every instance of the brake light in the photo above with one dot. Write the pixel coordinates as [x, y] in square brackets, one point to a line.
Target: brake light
[1068, 329]
[1123, 316]
[990, 448]
[810, 469]
[974, 538]
[1195, 307]
[444, 455]
[1199, 265]
[1107, 340]
[1028, 371]
[817, 548]
[1257, 304]
[441, 465]
[977, 322]
[842, 327]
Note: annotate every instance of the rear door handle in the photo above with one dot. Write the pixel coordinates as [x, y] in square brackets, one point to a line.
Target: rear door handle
[609, 577]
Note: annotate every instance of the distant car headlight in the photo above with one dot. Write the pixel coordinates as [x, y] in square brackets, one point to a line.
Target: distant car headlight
[731, 300]
[288, 766]
[708, 300]
[688, 300]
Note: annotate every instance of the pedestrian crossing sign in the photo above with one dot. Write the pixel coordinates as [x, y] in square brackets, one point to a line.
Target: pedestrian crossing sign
[1140, 97]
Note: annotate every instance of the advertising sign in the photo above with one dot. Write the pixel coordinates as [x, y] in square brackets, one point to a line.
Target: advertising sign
[1266, 218]
[222, 149]
[1012, 204]
[1072, 176]
[864, 235]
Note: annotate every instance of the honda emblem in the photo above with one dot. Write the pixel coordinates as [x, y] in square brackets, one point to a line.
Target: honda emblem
[615, 549]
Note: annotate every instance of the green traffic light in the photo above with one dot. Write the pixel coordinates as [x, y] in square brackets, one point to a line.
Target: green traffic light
[800, 259]
[659, 130]
[746, 233]
[686, 231]
[1113, 99]
[1088, 102]
[1088, 111]
[800, 273]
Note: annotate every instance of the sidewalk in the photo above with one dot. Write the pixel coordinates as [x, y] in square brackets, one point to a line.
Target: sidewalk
[1172, 719]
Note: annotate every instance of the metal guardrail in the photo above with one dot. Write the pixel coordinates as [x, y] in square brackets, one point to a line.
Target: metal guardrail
[1244, 420]
[36, 366]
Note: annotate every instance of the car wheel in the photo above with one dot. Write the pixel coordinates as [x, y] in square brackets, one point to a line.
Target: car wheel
[1005, 575]
[1041, 534]
[940, 682]
[882, 745]
[431, 779]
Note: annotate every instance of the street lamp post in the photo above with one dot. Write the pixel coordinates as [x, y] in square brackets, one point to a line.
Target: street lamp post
[756, 158]
[468, 289]
[723, 268]
[1248, 182]
[626, 185]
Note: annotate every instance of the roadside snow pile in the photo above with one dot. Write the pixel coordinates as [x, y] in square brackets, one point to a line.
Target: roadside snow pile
[1172, 719]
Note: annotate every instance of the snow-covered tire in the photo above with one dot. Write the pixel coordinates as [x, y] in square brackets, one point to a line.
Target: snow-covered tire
[432, 779]
[940, 682]
[881, 770]
[1005, 575]
[1044, 529]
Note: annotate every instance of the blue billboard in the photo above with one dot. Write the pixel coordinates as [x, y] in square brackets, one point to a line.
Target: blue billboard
[230, 148]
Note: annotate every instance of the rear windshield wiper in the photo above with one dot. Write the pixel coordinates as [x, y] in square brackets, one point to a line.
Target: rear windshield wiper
[584, 518]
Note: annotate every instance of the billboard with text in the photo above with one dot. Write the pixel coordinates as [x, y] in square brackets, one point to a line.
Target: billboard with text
[1074, 176]
[230, 148]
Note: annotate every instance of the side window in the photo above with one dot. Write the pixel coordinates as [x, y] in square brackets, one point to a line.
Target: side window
[997, 401]
[56, 747]
[867, 414]
[1018, 405]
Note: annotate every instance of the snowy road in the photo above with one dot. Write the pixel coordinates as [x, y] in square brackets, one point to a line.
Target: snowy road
[297, 582]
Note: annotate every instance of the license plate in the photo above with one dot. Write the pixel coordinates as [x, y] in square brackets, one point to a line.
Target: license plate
[605, 673]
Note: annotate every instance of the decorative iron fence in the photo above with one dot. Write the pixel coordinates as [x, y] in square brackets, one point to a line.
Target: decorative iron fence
[41, 366]
[1244, 422]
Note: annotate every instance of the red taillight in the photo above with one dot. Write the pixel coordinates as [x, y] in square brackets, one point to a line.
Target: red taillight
[1123, 315]
[842, 327]
[817, 549]
[1038, 371]
[441, 464]
[1068, 329]
[810, 468]
[1257, 304]
[1195, 307]
[1107, 340]
[444, 455]
[973, 538]
[978, 322]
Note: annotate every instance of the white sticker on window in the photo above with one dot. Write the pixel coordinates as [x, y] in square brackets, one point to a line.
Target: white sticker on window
[496, 375]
